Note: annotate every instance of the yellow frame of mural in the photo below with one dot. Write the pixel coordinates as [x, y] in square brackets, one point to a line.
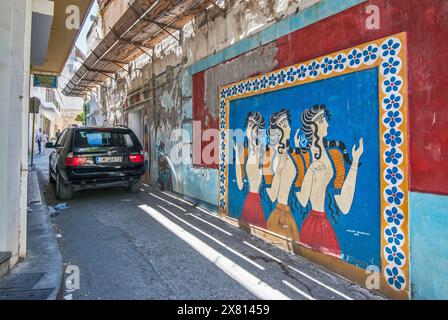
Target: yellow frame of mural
[237, 90]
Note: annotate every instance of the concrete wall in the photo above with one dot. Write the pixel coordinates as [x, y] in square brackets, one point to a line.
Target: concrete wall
[95, 34]
[260, 36]
[74, 61]
[59, 118]
[111, 11]
[68, 117]
[173, 106]
[14, 41]
[423, 21]
[47, 112]
[429, 242]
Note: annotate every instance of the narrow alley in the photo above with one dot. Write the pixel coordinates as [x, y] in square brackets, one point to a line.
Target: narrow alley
[155, 245]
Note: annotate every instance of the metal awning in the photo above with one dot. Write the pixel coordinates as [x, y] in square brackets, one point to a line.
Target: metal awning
[144, 24]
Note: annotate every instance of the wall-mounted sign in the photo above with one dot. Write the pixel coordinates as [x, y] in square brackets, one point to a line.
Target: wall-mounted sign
[34, 105]
[46, 81]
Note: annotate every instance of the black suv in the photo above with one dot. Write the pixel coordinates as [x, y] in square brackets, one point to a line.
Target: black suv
[92, 157]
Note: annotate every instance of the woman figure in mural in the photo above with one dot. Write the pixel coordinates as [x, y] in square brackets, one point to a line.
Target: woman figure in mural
[280, 172]
[249, 170]
[326, 178]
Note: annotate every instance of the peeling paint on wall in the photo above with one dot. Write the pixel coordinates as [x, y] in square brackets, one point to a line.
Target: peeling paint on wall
[255, 62]
[256, 37]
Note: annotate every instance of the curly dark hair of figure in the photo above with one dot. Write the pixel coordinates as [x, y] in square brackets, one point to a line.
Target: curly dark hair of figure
[309, 127]
[257, 118]
[275, 125]
[334, 211]
[259, 122]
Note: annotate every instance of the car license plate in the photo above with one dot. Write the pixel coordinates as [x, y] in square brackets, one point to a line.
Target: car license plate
[109, 159]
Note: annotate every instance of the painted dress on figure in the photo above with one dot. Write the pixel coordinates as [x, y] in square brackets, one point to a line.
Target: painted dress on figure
[281, 221]
[317, 231]
[252, 212]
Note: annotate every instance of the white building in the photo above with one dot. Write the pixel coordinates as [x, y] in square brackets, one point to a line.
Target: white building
[34, 39]
[57, 111]
[94, 114]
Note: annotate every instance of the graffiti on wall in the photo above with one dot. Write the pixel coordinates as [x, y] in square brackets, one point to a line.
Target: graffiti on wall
[316, 153]
[164, 173]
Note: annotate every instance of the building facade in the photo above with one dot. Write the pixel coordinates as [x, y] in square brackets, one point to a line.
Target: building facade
[34, 40]
[56, 111]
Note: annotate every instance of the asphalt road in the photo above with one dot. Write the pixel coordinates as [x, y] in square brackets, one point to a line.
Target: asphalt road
[153, 246]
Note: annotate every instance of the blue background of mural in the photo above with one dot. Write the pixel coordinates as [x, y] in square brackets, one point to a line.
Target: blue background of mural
[353, 102]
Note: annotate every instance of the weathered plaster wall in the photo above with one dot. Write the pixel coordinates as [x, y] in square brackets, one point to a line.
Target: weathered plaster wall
[424, 22]
[172, 107]
[206, 36]
[427, 39]
[429, 225]
[258, 36]
[111, 11]
[166, 115]
[14, 39]
[242, 20]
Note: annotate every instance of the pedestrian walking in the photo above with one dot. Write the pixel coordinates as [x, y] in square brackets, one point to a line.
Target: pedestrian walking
[44, 140]
[58, 133]
[39, 140]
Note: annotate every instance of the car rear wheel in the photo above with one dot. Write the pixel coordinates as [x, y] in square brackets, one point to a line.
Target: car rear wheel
[63, 192]
[134, 187]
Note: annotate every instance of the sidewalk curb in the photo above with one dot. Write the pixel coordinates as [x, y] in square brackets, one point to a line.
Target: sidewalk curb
[57, 293]
[43, 253]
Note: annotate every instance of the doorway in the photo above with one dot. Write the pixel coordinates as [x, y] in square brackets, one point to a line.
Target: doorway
[135, 123]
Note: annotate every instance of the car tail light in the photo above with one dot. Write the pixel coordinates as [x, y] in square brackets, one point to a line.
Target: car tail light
[137, 158]
[72, 161]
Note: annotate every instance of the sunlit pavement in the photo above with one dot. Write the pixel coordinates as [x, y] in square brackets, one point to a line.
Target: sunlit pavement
[152, 245]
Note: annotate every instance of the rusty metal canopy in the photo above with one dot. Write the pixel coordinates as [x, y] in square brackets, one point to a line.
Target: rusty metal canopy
[144, 24]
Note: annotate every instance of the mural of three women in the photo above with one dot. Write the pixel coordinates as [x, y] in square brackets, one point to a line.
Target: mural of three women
[317, 176]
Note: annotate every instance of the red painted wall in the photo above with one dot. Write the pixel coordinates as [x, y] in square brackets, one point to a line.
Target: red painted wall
[426, 24]
[202, 114]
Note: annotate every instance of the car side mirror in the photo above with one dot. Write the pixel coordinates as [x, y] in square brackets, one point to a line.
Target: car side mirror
[49, 145]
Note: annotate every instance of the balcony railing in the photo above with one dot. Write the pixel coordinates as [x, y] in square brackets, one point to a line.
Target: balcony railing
[50, 96]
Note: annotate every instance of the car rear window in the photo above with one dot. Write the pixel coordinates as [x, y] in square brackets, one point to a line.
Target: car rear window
[96, 138]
